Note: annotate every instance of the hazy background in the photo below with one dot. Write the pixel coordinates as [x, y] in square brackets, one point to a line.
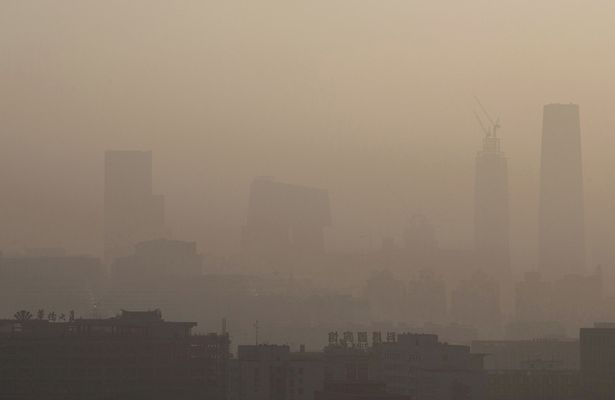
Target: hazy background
[371, 99]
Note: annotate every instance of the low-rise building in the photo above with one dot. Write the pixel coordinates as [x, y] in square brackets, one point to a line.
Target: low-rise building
[424, 368]
[555, 354]
[534, 384]
[598, 361]
[357, 391]
[272, 372]
[136, 355]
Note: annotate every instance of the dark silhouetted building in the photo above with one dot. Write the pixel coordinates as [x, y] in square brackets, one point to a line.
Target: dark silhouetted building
[272, 372]
[420, 366]
[132, 212]
[534, 384]
[491, 215]
[136, 355]
[598, 361]
[552, 354]
[562, 215]
[357, 391]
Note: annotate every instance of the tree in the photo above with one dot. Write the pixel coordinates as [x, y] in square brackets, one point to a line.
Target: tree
[23, 315]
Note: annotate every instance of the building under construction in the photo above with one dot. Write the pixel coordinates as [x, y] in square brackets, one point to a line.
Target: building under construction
[491, 209]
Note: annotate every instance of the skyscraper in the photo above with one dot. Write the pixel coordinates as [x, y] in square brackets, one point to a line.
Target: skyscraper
[491, 218]
[562, 215]
[132, 212]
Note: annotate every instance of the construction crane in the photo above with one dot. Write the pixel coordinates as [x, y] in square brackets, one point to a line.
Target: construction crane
[495, 125]
[486, 130]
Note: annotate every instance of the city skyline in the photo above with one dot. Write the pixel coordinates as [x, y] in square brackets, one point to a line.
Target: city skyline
[323, 200]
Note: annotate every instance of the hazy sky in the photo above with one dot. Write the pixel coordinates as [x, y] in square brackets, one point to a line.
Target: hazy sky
[372, 99]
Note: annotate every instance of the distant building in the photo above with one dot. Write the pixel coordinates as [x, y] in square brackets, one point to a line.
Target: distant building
[272, 372]
[159, 258]
[419, 235]
[426, 298]
[552, 354]
[285, 221]
[539, 301]
[386, 296]
[476, 302]
[532, 298]
[54, 282]
[598, 361]
[132, 212]
[421, 300]
[136, 355]
[491, 215]
[561, 214]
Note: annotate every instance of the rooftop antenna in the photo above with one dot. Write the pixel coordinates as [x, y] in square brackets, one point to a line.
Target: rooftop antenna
[256, 332]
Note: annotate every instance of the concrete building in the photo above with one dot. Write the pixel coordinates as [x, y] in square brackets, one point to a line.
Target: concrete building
[136, 355]
[424, 368]
[133, 213]
[598, 361]
[552, 354]
[272, 372]
[531, 369]
[562, 214]
[536, 384]
[357, 391]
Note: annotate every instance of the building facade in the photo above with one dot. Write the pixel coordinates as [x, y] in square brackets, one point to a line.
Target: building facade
[133, 213]
[598, 361]
[272, 372]
[422, 367]
[136, 355]
[561, 213]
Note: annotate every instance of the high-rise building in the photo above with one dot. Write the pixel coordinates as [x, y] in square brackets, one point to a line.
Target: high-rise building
[562, 216]
[269, 371]
[491, 218]
[133, 213]
[286, 219]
